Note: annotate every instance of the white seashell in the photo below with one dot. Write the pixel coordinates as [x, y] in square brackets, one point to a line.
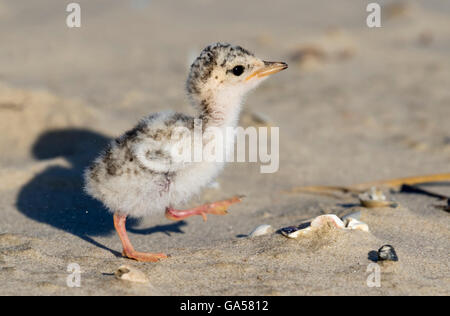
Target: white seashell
[261, 230]
[131, 274]
[376, 194]
[295, 231]
[322, 220]
[304, 229]
[352, 223]
[375, 198]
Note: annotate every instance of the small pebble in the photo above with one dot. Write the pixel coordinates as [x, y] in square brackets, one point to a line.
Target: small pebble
[131, 274]
[387, 253]
[261, 230]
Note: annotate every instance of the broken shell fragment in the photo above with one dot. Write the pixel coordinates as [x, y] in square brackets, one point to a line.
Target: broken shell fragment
[387, 253]
[261, 230]
[375, 198]
[376, 194]
[295, 231]
[131, 274]
[319, 221]
[352, 223]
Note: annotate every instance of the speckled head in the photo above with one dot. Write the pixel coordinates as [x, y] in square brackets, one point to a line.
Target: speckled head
[223, 71]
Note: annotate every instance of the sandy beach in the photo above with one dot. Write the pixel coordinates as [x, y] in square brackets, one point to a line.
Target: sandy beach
[357, 104]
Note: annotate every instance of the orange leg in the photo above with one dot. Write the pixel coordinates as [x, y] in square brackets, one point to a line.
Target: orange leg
[216, 208]
[128, 250]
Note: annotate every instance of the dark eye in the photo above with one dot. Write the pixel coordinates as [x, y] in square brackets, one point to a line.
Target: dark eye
[238, 70]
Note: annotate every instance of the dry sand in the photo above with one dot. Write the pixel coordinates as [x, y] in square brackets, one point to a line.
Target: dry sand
[356, 105]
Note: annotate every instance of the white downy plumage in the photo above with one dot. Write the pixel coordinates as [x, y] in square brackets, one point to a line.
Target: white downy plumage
[137, 174]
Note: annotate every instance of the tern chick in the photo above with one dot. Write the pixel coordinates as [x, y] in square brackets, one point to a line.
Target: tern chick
[137, 174]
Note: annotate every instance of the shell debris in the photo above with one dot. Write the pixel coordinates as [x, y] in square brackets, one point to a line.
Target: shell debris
[128, 273]
[375, 198]
[296, 231]
[305, 229]
[387, 253]
[352, 223]
[261, 230]
[322, 220]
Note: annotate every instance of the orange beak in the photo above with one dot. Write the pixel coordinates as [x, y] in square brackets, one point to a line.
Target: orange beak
[269, 68]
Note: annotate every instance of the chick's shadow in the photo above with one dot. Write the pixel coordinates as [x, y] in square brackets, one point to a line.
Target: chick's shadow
[56, 197]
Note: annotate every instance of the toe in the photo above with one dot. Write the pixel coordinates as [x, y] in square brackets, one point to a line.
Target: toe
[146, 257]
